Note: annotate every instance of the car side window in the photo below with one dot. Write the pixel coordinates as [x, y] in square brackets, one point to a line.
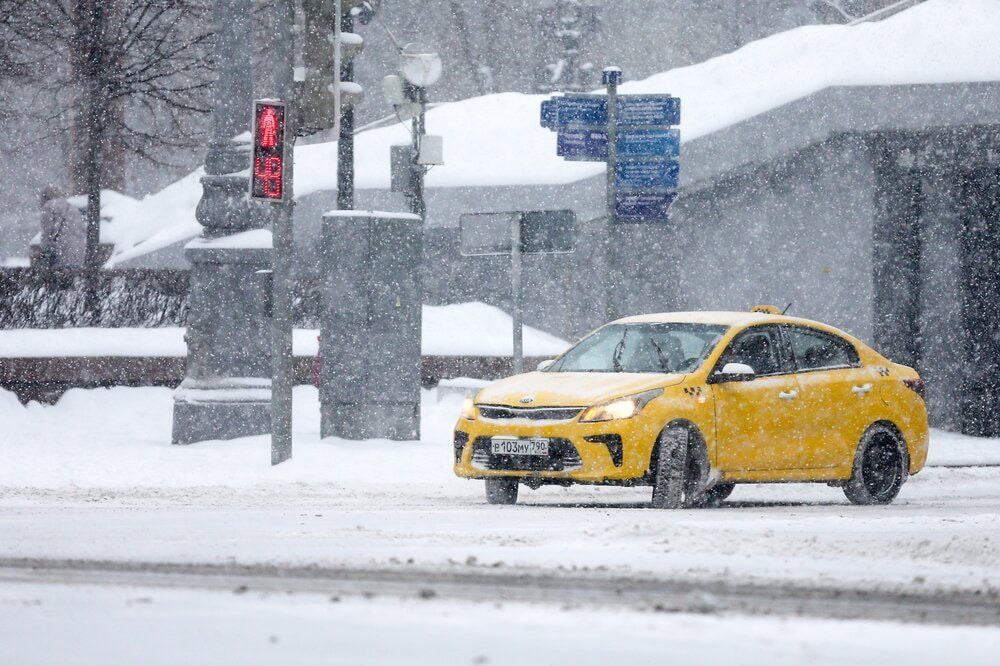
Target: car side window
[816, 350]
[757, 347]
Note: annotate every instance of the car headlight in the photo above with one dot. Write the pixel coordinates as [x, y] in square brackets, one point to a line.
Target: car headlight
[469, 410]
[619, 408]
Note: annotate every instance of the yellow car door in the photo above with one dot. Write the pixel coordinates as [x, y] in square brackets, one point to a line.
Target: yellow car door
[757, 421]
[836, 396]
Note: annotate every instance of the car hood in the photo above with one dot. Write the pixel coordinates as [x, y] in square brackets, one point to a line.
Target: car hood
[570, 389]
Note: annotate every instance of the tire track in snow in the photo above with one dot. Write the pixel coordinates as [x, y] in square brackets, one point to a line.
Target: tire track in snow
[652, 594]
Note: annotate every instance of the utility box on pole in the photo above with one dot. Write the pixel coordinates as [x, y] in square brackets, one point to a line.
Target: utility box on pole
[371, 320]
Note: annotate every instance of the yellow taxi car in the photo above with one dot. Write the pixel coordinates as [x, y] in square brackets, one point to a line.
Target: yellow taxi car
[692, 403]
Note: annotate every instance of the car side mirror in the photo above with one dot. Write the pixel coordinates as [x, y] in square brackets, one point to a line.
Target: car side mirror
[734, 372]
[545, 365]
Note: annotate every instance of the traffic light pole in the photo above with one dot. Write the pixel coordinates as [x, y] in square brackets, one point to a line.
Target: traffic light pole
[345, 137]
[282, 380]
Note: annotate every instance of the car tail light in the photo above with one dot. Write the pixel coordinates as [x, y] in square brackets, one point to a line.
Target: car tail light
[917, 385]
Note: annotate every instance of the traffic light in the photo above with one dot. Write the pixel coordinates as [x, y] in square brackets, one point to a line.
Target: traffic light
[267, 175]
[325, 49]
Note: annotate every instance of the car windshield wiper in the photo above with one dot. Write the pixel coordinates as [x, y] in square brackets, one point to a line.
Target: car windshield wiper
[616, 357]
[664, 362]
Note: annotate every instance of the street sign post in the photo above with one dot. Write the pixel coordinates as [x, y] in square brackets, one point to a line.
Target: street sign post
[636, 136]
[633, 134]
[518, 233]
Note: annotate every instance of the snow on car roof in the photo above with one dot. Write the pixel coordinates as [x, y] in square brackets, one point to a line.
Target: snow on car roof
[711, 317]
[722, 317]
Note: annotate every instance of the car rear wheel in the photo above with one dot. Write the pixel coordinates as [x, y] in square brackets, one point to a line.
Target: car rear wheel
[880, 467]
[678, 473]
[501, 490]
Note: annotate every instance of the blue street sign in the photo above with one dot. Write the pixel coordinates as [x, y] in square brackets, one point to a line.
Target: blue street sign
[582, 145]
[643, 206]
[592, 111]
[648, 110]
[649, 143]
[647, 170]
[592, 144]
[550, 113]
[648, 175]
[579, 110]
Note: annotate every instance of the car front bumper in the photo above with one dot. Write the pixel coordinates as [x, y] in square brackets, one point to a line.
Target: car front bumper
[610, 451]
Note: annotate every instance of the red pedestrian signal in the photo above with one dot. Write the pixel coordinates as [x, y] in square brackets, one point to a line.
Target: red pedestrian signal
[267, 179]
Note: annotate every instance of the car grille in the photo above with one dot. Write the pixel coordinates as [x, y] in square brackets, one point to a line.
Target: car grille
[562, 457]
[505, 413]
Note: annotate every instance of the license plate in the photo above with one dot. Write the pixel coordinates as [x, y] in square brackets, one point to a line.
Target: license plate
[512, 446]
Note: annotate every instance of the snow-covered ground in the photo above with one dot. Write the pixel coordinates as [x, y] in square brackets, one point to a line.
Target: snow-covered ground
[100, 625]
[459, 329]
[95, 477]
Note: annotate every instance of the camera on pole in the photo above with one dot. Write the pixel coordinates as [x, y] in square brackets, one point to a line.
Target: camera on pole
[421, 68]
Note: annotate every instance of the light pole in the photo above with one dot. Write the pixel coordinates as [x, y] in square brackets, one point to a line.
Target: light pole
[282, 376]
[421, 68]
[345, 132]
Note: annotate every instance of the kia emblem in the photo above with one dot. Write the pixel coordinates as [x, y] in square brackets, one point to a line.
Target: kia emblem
[526, 399]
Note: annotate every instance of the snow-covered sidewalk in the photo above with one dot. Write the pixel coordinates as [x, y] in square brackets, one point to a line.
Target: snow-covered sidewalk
[459, 329]
[120, 438]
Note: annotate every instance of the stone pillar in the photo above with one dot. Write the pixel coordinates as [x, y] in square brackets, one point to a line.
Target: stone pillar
[371, 325]
[227, 390]
[896, 255]
[980, 214]
[942, 333]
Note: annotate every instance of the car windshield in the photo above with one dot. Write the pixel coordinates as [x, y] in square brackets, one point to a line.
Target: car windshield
[666, 347]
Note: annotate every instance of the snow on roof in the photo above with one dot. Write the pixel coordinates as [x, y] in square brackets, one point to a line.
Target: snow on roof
[496, 140]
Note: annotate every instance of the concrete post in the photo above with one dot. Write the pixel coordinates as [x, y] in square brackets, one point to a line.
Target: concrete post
[371, 325]
[516, 295]
[226, 391]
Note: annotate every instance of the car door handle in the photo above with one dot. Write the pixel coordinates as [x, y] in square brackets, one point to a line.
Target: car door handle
[861, 390]
[788, 395]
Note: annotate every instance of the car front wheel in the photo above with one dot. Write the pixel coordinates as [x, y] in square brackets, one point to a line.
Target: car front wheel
[677, 473]
[501, 490]
[880, 467]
